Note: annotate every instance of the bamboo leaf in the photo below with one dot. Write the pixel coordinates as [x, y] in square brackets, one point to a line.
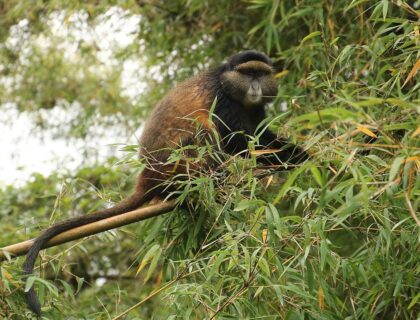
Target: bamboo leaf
[321, 300]
[366, 131]
[395, 168]
[148, 256]
[310, 36]
[413, 72]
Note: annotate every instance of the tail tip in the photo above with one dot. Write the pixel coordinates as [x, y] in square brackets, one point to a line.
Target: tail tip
[33, 302]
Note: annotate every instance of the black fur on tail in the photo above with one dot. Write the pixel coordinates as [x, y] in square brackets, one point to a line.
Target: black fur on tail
[128, 204]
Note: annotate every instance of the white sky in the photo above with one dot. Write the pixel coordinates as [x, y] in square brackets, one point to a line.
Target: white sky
[23, 150]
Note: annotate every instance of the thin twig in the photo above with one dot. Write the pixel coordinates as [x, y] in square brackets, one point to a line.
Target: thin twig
[410, 209]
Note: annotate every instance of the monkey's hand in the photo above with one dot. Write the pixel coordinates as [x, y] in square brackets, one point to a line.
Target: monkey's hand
[279, 151]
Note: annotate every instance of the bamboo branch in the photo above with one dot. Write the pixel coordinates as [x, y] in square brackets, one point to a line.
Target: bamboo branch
[21, 248]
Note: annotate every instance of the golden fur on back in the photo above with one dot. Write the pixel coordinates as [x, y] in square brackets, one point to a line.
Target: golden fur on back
[174, 119]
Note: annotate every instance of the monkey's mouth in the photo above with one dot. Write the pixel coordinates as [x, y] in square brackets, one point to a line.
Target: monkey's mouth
[254, 97]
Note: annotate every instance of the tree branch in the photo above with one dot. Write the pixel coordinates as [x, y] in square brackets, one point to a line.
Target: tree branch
[21, 248]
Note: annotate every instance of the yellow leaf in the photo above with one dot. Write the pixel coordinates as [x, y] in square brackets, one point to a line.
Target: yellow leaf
[266, 151]
[321, 298]
[366, 131]
[310, 36]
[412, 159]
[264, 235]
[7, 275]
[413, 72]
[270, 179]
[281, 74]
[416, 133]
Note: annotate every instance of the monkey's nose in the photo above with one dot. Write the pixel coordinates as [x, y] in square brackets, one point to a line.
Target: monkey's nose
[255, 85]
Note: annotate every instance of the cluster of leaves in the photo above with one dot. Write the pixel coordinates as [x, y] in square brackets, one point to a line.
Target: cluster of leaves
[44, 200]
[336, 238]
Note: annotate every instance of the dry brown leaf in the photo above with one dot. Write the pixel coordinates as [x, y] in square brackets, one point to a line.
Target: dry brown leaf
[413, 72]
[159, 277]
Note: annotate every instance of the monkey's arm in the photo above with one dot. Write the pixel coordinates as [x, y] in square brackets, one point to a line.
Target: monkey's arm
[231, 129]
[285, 152]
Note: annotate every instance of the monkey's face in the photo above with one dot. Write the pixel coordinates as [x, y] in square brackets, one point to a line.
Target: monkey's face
[251, 83]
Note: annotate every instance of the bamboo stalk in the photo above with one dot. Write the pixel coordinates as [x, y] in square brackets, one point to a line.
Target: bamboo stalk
[21, 248]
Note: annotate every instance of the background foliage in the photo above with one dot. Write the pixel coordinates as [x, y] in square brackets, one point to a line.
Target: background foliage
[336, 238]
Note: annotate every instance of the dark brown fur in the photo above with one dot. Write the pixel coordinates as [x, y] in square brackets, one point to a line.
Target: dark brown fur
[174, 122]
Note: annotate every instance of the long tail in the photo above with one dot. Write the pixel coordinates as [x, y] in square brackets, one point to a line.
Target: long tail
[131, 203]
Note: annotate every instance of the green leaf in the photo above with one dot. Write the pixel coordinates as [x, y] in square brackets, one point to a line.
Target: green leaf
[258, 291]
[243, 205]
[155, 249]
[289, 182]
[325, 116]
[276, 217]
[384, 8]
[310, 36]
[310, 276]
[263, 264]
[68, 289]
[414, 301]
[317, 175]
[80, 282]
[46, 284]
[153, 265]
[29, 283]
[324, 253]
[395, 168]
[215, 267]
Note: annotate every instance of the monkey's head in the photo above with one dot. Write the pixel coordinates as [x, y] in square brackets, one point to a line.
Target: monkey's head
[248, 77]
